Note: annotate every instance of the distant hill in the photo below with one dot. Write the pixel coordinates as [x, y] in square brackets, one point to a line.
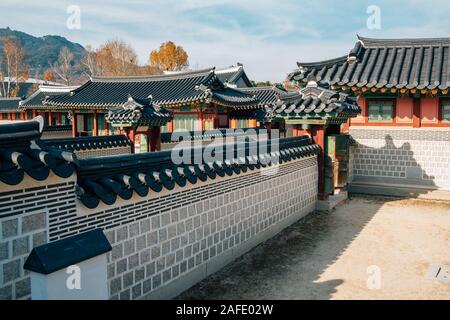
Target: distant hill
[42, 51]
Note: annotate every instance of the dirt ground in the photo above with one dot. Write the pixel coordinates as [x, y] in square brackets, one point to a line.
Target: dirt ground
[368, 248]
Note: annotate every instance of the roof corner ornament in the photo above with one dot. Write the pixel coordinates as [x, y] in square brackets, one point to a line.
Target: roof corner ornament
[311, 81]
[39, 119]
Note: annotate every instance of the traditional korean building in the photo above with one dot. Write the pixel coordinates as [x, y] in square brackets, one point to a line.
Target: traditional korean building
[400, 82]
[199, 100]
[234, 76]
[401, 138]
[9, 109]
[33, 106]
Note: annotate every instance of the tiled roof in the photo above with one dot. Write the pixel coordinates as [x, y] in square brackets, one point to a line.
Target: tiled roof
[58, 128]
[166, 90]
[88, 143]
[34, 101]
[232, 76]
[389, 63]
[167, 137]
[21, 152]
[109, 178]
[9, 104]
[313, 101]
[265, 95]
[139, 112]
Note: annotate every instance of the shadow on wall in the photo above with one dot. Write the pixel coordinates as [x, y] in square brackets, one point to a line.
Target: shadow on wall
[389, 165]
[291, 265]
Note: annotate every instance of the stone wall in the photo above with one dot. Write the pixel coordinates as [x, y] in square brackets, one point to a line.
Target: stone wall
[27, 216]
[416, 157]
[162, 243]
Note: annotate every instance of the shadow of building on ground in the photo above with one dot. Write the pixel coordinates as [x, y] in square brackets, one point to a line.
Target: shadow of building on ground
[290, 265]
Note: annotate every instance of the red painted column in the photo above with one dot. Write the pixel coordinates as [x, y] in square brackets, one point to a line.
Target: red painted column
[50, 118]
[95, 131]
[131, 135]
[74, 124]
[33, 112]
[318, 136]
[416, 113]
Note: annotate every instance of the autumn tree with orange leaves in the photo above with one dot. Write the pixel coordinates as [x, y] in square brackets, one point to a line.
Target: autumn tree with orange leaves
[169, 57]
[114, 58]
[13, 71]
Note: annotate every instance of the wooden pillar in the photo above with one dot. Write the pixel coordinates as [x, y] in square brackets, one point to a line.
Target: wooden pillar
[202, 120]
[318, 136]
[95, 131]
[106, 128]
[33, 113]
[170, 126]
[416, 113]
[49, 118]
[74, 124]
[154, 139]
[268, 126]
[130, 133]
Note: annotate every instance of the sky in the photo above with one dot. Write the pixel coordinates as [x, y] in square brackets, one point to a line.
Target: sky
[267, 36]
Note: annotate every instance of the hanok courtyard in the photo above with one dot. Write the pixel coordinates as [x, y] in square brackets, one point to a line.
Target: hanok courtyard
[334, 256]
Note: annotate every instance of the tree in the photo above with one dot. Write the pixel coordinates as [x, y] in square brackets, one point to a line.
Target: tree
[113, 58]
[63, 67]
[12, 69]
[49, 75]
[169, 57]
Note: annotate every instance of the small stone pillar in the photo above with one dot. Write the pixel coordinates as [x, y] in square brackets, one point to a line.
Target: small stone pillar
[73, 268]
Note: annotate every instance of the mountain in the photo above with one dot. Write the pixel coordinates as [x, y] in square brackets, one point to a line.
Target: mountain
[41, 52]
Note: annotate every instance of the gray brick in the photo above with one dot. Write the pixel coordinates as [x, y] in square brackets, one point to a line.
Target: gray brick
[183, 267]
[162, 235]
[150, 269]
[160, 264]
[170, 259]
[20, 246]
[167, 275]
[137, 291]
[121, 266]
[172, 230]
[10, 228]
[175, 271]
[133, 261]
[134, 229]
[156, 252]
[4, 251]
[33, 222]
[6, 292]
[11, 270]
[156, 281]
[165, 247]
[139, 274]
[145, 226]
[129, 247]
[23, 288]
[165, 219]
[116, 285]
[147, 286]
[117, 251]
[39, 239]
[128, 279]
[144, 256]
[156, 222]
[152, 238]
[141, 242]
[125, 295]
[122, 233]
[111, 270]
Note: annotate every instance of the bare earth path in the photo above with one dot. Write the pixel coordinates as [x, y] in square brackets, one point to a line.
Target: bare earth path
[326, 256]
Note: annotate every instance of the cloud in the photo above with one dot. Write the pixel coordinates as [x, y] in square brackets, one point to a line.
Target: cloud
[267, 36]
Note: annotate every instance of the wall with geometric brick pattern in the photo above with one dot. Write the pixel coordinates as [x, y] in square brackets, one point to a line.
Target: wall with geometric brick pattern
[409, 156]
[162, 243]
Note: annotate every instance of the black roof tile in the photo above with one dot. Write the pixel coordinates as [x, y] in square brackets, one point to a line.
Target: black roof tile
[21, 152]
[166, 90]
[400, 63]
[9, 104]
